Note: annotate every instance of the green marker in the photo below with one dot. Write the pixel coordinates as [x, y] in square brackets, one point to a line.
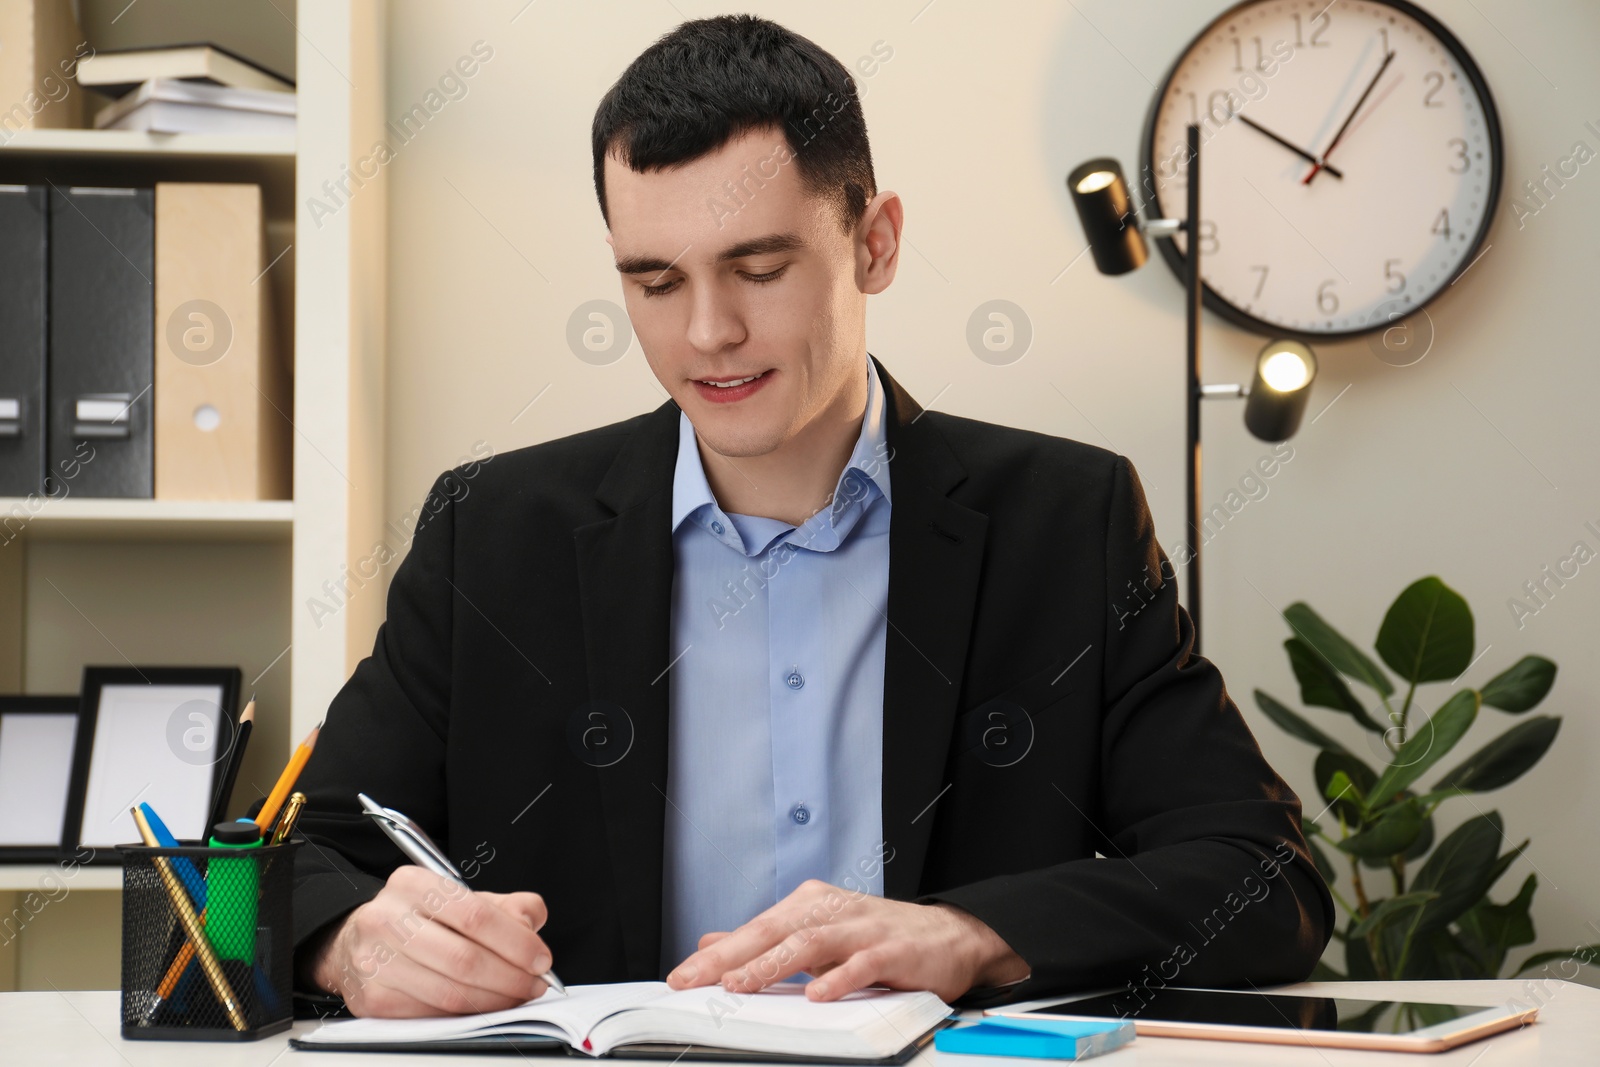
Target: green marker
[232, 886]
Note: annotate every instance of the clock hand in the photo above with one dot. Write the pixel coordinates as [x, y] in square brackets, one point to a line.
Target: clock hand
[1296, 149]
[1347, 119]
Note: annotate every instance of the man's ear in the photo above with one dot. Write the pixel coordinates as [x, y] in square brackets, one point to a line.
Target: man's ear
[878, 242]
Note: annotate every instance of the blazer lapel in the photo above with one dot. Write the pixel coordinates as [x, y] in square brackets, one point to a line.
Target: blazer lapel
[935, 556]
[625, 568]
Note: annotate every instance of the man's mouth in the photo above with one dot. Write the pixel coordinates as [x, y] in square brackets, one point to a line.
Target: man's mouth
[729, 390]
[729, 383]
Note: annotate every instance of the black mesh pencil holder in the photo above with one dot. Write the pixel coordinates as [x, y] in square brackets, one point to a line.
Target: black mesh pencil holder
[236, 982]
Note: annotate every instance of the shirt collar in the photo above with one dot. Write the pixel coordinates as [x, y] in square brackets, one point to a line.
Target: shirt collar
[691, 491]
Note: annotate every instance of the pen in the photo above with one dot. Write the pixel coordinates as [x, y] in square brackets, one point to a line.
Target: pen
[290, 816]
[420, 849]
[193, 880]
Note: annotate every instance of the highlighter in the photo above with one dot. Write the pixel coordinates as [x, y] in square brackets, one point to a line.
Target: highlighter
[232, 886]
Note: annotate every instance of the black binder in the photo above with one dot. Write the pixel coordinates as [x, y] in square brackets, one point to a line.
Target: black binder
[102, 262]
[23, 264]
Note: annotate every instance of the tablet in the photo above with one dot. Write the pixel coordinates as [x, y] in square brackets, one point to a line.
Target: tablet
[1286, 1018]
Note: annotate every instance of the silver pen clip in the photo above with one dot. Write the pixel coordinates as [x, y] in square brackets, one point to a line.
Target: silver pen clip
[410, 839]
[420, 835]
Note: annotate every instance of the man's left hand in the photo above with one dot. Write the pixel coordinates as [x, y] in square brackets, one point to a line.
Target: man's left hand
[850, 940]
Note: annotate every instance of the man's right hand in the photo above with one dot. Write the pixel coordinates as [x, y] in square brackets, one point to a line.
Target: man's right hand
[428, 946]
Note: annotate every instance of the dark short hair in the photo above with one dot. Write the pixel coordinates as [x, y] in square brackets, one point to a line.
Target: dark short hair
[711, 80]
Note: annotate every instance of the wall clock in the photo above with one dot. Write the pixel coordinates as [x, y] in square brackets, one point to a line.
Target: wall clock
[1351, 162]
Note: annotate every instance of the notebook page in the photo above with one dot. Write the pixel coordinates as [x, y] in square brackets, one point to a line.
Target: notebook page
[780, 1018]
[572, 1017]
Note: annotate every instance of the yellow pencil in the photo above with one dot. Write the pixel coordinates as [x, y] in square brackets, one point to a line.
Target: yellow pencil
[280, 792]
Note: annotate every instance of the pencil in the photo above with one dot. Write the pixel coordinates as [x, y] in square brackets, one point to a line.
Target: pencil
[191, 925]
[180, 963]
[230, 769]
[280, 792]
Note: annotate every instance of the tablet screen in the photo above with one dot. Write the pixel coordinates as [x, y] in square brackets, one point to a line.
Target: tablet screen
[1283, 1011]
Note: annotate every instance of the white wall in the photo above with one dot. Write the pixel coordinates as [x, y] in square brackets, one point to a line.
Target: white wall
[495, 238]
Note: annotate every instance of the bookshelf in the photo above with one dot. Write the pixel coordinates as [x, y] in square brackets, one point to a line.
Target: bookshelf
[175, 520]
[188, 582]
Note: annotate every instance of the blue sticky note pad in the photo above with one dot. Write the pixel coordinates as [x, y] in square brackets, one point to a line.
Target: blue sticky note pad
[1051, 1039]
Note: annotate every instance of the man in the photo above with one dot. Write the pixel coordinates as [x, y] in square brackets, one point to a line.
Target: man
[789, 676]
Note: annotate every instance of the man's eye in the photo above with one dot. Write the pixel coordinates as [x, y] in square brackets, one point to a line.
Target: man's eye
[667, 287]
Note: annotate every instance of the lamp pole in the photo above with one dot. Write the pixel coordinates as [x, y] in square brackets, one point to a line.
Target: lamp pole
[1192, 387]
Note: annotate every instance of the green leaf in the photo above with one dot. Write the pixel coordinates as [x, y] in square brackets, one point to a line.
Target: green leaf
[1426, 635]
[1340, 786]
[1583, 954]
[1520, 686]
[1488, 930]
[1460, 870]
[1324, 865]
[1419, 846]
[1321, 686]
[1330, 763]
[1293, 724]
[1439, 955]
[1506, 758]
[1424, 840]
[1438, 796]
[1505, 861]
[1346, 658]
[1394, 832]
[1358, 957]
[1387, 912]
[1427, 745]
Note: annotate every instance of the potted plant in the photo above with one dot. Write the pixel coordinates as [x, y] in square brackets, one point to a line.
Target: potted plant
[1419, 908]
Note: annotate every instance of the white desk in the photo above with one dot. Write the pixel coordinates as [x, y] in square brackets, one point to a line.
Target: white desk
[81, 1029]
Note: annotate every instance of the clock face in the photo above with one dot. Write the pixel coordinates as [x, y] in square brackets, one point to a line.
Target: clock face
[1350, 163]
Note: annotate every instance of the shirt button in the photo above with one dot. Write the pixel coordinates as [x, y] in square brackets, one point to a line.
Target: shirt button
[716, 527]
[794, 680]
[801, 814]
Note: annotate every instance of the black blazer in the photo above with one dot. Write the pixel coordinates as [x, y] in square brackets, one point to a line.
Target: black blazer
[1056, 761]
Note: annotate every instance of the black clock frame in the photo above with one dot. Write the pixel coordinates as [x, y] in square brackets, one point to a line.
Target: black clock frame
[1219, 304]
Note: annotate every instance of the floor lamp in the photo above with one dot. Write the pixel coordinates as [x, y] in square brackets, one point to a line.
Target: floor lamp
[1276, 398]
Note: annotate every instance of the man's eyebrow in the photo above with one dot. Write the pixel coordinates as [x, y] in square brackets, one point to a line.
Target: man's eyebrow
[769, 245]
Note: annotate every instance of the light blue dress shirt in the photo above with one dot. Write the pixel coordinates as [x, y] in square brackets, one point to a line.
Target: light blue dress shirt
[775, 757]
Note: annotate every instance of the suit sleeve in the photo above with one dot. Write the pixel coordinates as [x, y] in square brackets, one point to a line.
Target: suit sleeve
[1206, 879]
[384, 733]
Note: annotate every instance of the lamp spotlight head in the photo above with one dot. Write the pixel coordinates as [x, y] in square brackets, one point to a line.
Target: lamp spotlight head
[1280, 391]
[1110, 223]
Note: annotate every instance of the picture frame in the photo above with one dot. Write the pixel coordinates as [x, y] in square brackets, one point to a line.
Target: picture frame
[158, 735]
[38, 739]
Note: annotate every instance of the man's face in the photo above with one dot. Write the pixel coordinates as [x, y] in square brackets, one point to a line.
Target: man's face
[719, 290]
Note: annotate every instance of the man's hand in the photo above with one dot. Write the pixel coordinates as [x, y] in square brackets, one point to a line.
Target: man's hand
[850, 940]
[428, 946]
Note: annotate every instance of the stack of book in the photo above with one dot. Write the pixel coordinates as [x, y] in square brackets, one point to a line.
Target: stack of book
[197, 88]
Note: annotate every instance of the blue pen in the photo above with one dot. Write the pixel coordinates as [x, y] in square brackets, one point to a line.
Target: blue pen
[192, 879]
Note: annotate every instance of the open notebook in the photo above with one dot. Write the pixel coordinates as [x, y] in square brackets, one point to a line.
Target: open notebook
[627, 1017]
